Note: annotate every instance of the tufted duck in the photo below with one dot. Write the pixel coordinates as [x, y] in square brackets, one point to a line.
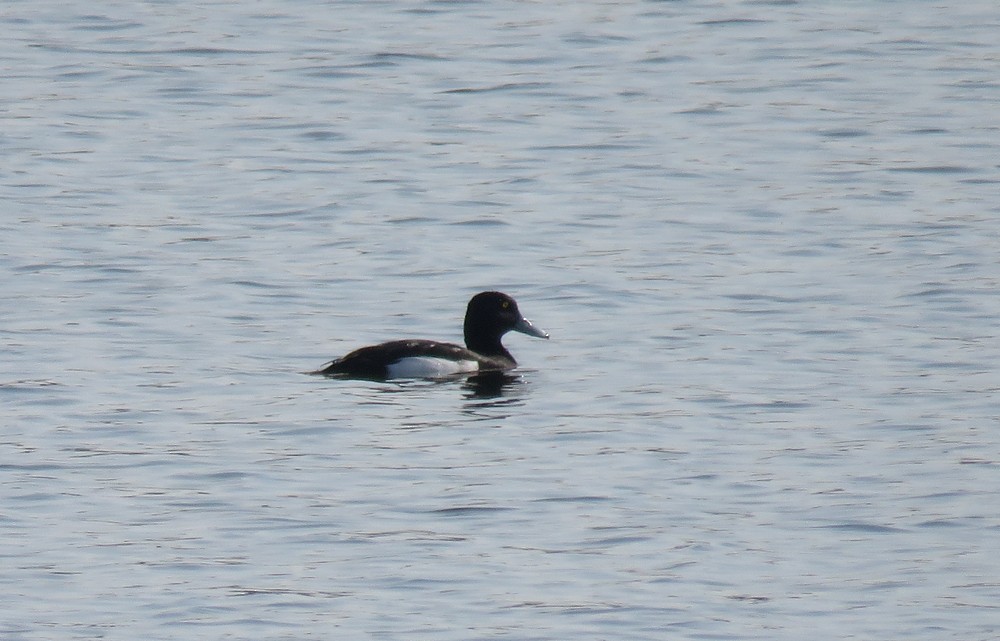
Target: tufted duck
[489, 316]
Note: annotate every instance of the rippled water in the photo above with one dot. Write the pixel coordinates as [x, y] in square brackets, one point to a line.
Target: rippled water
[763, 236]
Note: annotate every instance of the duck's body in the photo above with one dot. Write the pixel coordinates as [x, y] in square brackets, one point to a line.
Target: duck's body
[411, 359]
[489, 316]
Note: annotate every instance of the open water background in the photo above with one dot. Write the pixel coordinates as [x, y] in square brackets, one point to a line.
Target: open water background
[763, 235]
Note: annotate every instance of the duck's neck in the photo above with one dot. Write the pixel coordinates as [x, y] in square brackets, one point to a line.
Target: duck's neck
[491, 348]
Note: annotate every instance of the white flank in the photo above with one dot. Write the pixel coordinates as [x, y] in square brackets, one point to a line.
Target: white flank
[429, 367]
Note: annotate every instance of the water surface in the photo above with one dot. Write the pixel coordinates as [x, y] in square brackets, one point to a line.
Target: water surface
[761, 234]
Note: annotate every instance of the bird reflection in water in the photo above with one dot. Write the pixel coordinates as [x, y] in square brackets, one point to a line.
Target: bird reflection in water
[487, 385]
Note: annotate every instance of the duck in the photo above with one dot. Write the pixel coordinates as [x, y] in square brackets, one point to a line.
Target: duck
[488, 317]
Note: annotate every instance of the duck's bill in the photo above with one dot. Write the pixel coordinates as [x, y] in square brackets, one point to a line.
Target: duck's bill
[525, 327]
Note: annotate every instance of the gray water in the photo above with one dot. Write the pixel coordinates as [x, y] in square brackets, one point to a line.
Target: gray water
[763, 236]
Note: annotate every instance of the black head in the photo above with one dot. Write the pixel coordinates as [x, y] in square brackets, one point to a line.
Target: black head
[489, 316]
